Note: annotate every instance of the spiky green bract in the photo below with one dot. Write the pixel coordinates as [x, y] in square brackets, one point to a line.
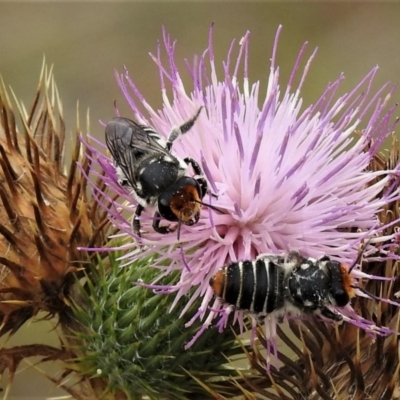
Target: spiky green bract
[131, 341]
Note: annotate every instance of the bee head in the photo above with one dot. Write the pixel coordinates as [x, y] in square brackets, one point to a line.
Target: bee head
[341, 289]
[217, 282]
[181, 202]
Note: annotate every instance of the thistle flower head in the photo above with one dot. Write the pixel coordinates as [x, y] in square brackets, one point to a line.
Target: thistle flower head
[287, 177]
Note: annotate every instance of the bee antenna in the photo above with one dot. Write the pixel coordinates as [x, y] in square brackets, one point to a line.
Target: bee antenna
[209, 206]
[179, 228]
[372, 296]
[358, 259]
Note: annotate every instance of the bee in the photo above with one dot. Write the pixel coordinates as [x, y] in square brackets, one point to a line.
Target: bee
[285, 284]
[157, 178]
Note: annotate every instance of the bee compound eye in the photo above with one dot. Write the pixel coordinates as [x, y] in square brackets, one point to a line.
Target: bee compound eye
[163, 202]
[341, 297]
[164, 208]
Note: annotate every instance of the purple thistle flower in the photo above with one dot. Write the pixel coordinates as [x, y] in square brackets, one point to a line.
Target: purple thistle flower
[287, 178]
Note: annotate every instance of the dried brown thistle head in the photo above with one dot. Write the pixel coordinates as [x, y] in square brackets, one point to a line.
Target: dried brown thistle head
[45, 213]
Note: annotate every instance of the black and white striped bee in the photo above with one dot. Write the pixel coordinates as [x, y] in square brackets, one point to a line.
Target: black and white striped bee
[285, 284]
[157, 178]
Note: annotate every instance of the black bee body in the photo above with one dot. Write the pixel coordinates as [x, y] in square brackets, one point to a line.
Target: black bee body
[256, 286]
[284, 284]
[155, 174]
[157, 178]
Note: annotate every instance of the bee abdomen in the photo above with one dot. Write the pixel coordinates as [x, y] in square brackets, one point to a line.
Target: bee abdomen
[255, 286]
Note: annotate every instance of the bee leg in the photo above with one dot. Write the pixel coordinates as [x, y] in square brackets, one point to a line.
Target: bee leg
[195, 165]
[180, 130]
[156, 225]
[203, 186]
[327, 313]
[123, 182]
[136, 220]
[198, 171]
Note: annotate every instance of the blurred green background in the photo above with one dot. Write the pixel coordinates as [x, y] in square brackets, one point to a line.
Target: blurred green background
[87, 41]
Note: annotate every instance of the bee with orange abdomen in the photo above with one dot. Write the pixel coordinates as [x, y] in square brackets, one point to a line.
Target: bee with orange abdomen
[157, 178]
[285, 284]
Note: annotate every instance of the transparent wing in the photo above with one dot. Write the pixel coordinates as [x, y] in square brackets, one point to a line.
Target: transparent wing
[128, 142]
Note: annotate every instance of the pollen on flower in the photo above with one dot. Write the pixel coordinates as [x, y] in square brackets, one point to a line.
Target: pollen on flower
[287, 177]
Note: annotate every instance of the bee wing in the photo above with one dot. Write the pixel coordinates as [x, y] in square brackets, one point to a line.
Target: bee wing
[128, 142]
